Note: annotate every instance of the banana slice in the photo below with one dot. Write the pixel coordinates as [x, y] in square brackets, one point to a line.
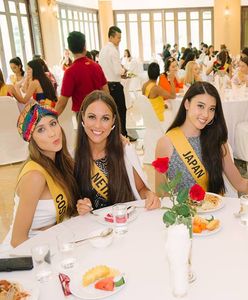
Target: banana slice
[96, 273]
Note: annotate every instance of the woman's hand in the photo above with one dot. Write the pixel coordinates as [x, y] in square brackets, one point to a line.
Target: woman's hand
[152, 201]
[84, 206]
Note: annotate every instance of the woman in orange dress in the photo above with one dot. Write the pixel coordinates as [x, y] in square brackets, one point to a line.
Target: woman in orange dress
[170, 67]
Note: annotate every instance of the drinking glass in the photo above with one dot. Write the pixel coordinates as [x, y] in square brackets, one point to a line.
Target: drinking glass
[119, 212]
[66, 246]
[244, 210]
[42, 261]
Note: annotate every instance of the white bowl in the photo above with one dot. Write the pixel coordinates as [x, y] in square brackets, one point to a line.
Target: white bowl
[101, 242]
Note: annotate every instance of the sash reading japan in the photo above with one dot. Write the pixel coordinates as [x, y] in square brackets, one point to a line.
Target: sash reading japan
[189, 157]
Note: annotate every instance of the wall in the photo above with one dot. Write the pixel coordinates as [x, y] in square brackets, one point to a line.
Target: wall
[106, 19]
[227, 28]
[138, 4]
[50, 33]
[83, 3]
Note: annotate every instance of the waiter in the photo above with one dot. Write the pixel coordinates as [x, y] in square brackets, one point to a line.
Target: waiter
[109, 59]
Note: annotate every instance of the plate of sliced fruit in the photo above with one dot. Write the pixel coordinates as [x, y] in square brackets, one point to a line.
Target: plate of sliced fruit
[98, 282]
[205, 226]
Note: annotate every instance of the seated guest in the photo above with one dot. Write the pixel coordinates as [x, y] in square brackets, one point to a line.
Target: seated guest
[49, 169]
[190, 57]
[192, 73]
[155, 93]
[221, 65]
[49, 74]
[66, 61]
[38, 85]
[244, 52]
[196, 143]
[7, 89]
[95, 55]
[170, 68]
[184, 55]
[17, 68]
[107, 172]
[241, 77]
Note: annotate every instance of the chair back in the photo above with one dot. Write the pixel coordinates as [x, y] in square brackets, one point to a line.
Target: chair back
[230, 190]
[154, 128]
[66, 122]
[12, 147]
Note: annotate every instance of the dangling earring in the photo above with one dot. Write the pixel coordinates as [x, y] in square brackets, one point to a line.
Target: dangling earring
[82, 124]
[210, 123]
[112, 127]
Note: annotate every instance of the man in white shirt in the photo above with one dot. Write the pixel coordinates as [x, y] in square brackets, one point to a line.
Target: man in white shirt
[109, 59]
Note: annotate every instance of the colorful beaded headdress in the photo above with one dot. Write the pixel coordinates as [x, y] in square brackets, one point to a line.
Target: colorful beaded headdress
[30, 117]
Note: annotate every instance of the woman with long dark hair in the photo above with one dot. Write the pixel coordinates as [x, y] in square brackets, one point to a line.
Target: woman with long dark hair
[46, 188]
[107, 172]
[170, 68]
[38, 86]
[196, 143]
[17, 68]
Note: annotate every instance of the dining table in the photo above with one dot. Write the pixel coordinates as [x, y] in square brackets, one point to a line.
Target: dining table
[219, 258]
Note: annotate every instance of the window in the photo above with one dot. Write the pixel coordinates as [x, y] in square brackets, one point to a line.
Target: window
[146, 31]
[80, 19]
[207, 27]
[15, 33]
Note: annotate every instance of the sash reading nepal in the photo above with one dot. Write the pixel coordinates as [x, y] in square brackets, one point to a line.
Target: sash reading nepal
[189, 157]
[58, 195]
[99, 181]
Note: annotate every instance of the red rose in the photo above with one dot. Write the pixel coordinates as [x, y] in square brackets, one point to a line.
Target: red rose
[161, 164]
[197, 193]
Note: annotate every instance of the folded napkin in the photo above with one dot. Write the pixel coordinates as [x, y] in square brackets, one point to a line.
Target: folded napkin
[178, 250]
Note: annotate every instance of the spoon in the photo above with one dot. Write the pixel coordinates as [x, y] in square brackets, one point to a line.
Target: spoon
[103, 234]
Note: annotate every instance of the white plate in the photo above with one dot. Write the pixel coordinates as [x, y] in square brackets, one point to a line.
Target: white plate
[219, 206]
[207, 232]
[108, 210]
[89, 292]
[31, 287]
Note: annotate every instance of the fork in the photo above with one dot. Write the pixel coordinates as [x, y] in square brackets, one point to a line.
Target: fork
[94, 213]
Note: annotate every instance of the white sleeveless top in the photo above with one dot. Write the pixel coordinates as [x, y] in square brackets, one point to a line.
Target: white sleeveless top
[45, 215]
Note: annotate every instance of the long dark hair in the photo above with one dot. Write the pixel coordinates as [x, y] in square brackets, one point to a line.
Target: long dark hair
[119, 188]
[168, 61]
[2, 82]
[45, 82]
[61, 170]
[17, 61]
[212, 138]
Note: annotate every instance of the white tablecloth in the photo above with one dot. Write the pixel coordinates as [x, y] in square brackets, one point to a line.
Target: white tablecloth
[235, 111]
[220, 260]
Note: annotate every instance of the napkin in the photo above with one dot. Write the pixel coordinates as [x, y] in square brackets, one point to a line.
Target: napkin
[65, 280]
[178, 250]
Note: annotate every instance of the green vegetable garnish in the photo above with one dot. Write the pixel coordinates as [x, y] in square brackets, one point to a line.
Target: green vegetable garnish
[119, 282]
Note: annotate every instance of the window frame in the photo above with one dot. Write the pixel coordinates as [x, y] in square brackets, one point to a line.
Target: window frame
[83, 10]
[200, 10]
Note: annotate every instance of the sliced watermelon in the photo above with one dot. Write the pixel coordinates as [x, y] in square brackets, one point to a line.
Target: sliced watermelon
[106, 284]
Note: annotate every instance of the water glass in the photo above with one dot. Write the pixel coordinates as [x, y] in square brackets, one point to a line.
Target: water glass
[120, 217]
[66, 246]
[42, 261]
[244, 210]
